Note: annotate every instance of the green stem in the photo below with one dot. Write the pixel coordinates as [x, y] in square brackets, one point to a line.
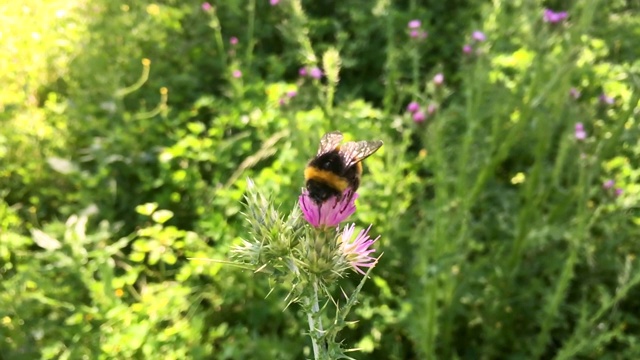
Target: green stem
[315, 329]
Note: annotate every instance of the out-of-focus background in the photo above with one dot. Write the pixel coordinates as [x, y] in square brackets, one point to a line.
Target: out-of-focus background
[506, 194]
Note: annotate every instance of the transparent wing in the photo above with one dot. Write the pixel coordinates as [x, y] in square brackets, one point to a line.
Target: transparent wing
[354, 152]
[329, 142]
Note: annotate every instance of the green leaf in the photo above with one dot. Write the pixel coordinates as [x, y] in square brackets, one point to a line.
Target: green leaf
[146, 209]
[162, 216]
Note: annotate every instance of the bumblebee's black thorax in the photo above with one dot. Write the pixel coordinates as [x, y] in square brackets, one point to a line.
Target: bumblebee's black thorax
[327, 176]
[331, 161]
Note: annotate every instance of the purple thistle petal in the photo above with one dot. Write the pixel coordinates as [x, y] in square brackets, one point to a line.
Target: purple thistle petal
[357, 251]
[329, 213]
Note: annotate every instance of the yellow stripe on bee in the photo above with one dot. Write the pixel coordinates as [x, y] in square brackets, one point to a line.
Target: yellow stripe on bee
[327, 177]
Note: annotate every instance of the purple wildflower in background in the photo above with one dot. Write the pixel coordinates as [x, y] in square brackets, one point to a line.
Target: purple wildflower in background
[418, 34]
[415, 30]
[579, 132]
[438, 79]
[467, 49]
[236, 74]
[431, 109]
[413, 107]
[414, 24]
[618, 192]
[606, 99]
[357, 251]
[206, 6]
[233, 40]
[574, 93]
[329, 213]
[419, 116]
[608, 184]
[291, 93]
[315, 73]
[303, 72]
[274, 2]
[479, 36]
[553, 17]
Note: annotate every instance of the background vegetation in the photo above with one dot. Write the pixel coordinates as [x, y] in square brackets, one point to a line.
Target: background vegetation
[128, 129]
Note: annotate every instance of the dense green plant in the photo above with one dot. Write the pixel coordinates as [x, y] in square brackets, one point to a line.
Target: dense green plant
[506, 196]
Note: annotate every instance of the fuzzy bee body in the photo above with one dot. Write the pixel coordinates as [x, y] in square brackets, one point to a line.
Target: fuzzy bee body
[337, 167]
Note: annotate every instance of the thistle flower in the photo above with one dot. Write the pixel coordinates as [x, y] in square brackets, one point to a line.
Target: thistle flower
[414, 24]
[415, 30]
[329, 213]
[438, 79]
[413, 107]
[574, 93]
[608, 184]
[274, 2]
[605, 99]
[479, 36]
[553, 17]
[431, 109]
[303, 72]
[419, 116]
[233, 40]
[206, 6]
[357, 251]
[580, 134]
[236, 74]
[315, 73]
[467, 49]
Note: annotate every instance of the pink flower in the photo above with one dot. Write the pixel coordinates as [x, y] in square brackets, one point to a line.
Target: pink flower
[580, 134]
[233, 40]
[553, 17]
[330, 212]
[606, 99]
[357, 251]
[418, 34]
[413, 107]
[236, 74]
[618, 192]
[467, 49]
[438, 79]
[479, 36]
[431, 109]
[291, 93]
[419, 116]
[415, 24]
[608, 184]
[574, 93]
[206, 6]
[303, 71]
[274, 2]
[315, 73]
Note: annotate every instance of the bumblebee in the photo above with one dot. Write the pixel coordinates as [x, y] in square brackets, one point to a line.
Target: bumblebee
[337, 167]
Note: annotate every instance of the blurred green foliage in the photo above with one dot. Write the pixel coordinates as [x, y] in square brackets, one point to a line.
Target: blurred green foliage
[127, 136]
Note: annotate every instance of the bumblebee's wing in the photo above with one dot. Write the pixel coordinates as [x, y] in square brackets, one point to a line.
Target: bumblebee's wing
[354, 152]
[329, 142]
